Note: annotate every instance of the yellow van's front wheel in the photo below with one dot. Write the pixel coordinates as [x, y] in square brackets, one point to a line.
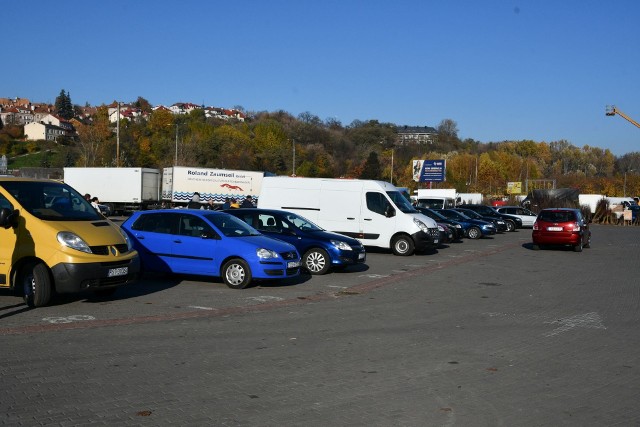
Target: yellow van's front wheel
[36, 284]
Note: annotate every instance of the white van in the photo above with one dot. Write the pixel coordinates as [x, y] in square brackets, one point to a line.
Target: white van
[374, 212]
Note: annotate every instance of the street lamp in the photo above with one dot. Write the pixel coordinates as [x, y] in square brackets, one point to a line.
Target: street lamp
[175, 162]
[293, 170]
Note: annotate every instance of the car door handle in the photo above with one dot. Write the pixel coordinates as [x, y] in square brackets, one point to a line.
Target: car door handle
[139, 237]
[368, 219]
[177, 241]
[350, 218]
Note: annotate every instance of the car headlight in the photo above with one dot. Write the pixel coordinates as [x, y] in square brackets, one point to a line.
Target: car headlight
[457, 226]
[421, 225]
[127, 239]
[263, 253]
[441, 228]
[73, 241]
[341, 245]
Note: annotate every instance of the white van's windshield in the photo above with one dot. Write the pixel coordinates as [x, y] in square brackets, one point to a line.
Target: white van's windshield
[401, 202]
[51, 201]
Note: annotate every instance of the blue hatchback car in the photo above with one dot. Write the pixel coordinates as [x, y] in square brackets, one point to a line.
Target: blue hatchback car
[209, 243]
[321, 250]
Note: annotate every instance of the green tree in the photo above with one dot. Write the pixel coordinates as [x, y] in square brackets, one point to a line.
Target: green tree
[63, 105]
[371, 168]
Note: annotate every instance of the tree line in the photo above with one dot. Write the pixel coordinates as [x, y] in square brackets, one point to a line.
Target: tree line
[305, 145]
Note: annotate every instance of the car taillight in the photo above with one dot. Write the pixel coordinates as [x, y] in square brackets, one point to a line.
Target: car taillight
[535, 225]
[576, 227]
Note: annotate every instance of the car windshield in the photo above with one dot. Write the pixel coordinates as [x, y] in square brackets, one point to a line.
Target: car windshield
[51, 201]
[557, 216]
[401, 202]
[301, 222]
[432, 214]
[472, 214]
[455, 215]
[231, 226]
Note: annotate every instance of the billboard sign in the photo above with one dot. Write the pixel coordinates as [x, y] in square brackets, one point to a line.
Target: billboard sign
[514, 187]
[429, 170]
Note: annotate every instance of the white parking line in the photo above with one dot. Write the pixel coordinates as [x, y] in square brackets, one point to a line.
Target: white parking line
[201, 308]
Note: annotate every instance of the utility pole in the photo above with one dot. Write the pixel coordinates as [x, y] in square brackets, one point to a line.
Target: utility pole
[293, 173]
[118, 134]
[175, 162]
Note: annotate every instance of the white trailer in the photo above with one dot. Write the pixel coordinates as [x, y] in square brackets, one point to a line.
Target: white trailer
[590, 200]
[469, 198]
[436, 198]
[179, 183]
[122, 189]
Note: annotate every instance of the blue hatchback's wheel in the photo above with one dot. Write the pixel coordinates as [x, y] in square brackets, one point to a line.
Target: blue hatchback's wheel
[236, 274]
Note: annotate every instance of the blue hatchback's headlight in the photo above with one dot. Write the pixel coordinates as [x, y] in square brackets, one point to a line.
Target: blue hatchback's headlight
[341, 245]
[263, 253]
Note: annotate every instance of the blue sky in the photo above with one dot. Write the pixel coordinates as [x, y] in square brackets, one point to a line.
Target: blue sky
[503, 70]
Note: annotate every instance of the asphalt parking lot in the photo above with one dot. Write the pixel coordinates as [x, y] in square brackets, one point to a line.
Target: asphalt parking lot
[481, 333]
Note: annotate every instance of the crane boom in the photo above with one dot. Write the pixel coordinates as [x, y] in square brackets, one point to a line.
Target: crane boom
[612, 111]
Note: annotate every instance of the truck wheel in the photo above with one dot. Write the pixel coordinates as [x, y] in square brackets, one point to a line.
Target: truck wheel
[316, 261]
[402, 245]
[236, 274]
[474, 233]
[511, 226]
[36, 284]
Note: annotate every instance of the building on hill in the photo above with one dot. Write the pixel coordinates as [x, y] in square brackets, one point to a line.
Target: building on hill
[416, 135]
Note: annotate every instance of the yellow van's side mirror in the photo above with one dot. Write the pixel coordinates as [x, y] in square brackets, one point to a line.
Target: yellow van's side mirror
[9, 218]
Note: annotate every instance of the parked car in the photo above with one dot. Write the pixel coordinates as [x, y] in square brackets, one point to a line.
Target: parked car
[561, 226]
[209, 243]
[526, 216]
[501, 225]
[456, 227]
[321, 250]
[104, 209]
[512, 222]
[474, 228]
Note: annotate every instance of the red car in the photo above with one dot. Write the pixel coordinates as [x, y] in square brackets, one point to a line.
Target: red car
[561, 226]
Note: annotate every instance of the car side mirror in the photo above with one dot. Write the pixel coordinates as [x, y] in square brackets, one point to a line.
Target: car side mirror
[9, 218]
[389, 211]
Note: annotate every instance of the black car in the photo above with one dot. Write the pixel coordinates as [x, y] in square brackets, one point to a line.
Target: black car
[512, 222]
[457, 228]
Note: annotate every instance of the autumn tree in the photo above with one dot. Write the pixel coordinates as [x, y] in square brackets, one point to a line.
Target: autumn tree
[371, 168]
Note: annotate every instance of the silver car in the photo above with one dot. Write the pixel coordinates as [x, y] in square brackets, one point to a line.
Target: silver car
[527, 217]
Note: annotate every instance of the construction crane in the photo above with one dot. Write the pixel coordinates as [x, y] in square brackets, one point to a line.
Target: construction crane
[612, 111]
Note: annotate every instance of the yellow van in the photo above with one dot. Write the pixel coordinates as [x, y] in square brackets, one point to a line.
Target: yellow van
[53, 240]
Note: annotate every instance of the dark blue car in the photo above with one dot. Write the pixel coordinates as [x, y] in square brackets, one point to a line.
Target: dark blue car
[473, 228]
[209, 243]
[321, 250]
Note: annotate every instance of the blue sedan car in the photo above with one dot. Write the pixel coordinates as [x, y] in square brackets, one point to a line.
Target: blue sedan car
[209, 243]
[473, 228]
[321, 250]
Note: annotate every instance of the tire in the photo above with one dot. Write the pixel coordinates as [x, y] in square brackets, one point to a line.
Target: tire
[36, 284]
[578, 247]
[511, 226]
[316, 261]
[402, 245]
[474, 233]
[588, 244]
[236, 274]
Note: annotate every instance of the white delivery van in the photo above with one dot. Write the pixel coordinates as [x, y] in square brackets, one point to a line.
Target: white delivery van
[374, 212]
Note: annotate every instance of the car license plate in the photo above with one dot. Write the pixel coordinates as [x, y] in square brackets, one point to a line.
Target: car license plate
[293, 264]
[361, 255]
[122, 271]
[554, 228]
[436, 241]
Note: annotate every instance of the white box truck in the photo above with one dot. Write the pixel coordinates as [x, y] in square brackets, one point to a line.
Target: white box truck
[436, 198]
[179, 183]
[374, 212]
[121, 189]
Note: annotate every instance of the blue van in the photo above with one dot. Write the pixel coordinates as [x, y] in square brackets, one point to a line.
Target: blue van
[320, 250]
